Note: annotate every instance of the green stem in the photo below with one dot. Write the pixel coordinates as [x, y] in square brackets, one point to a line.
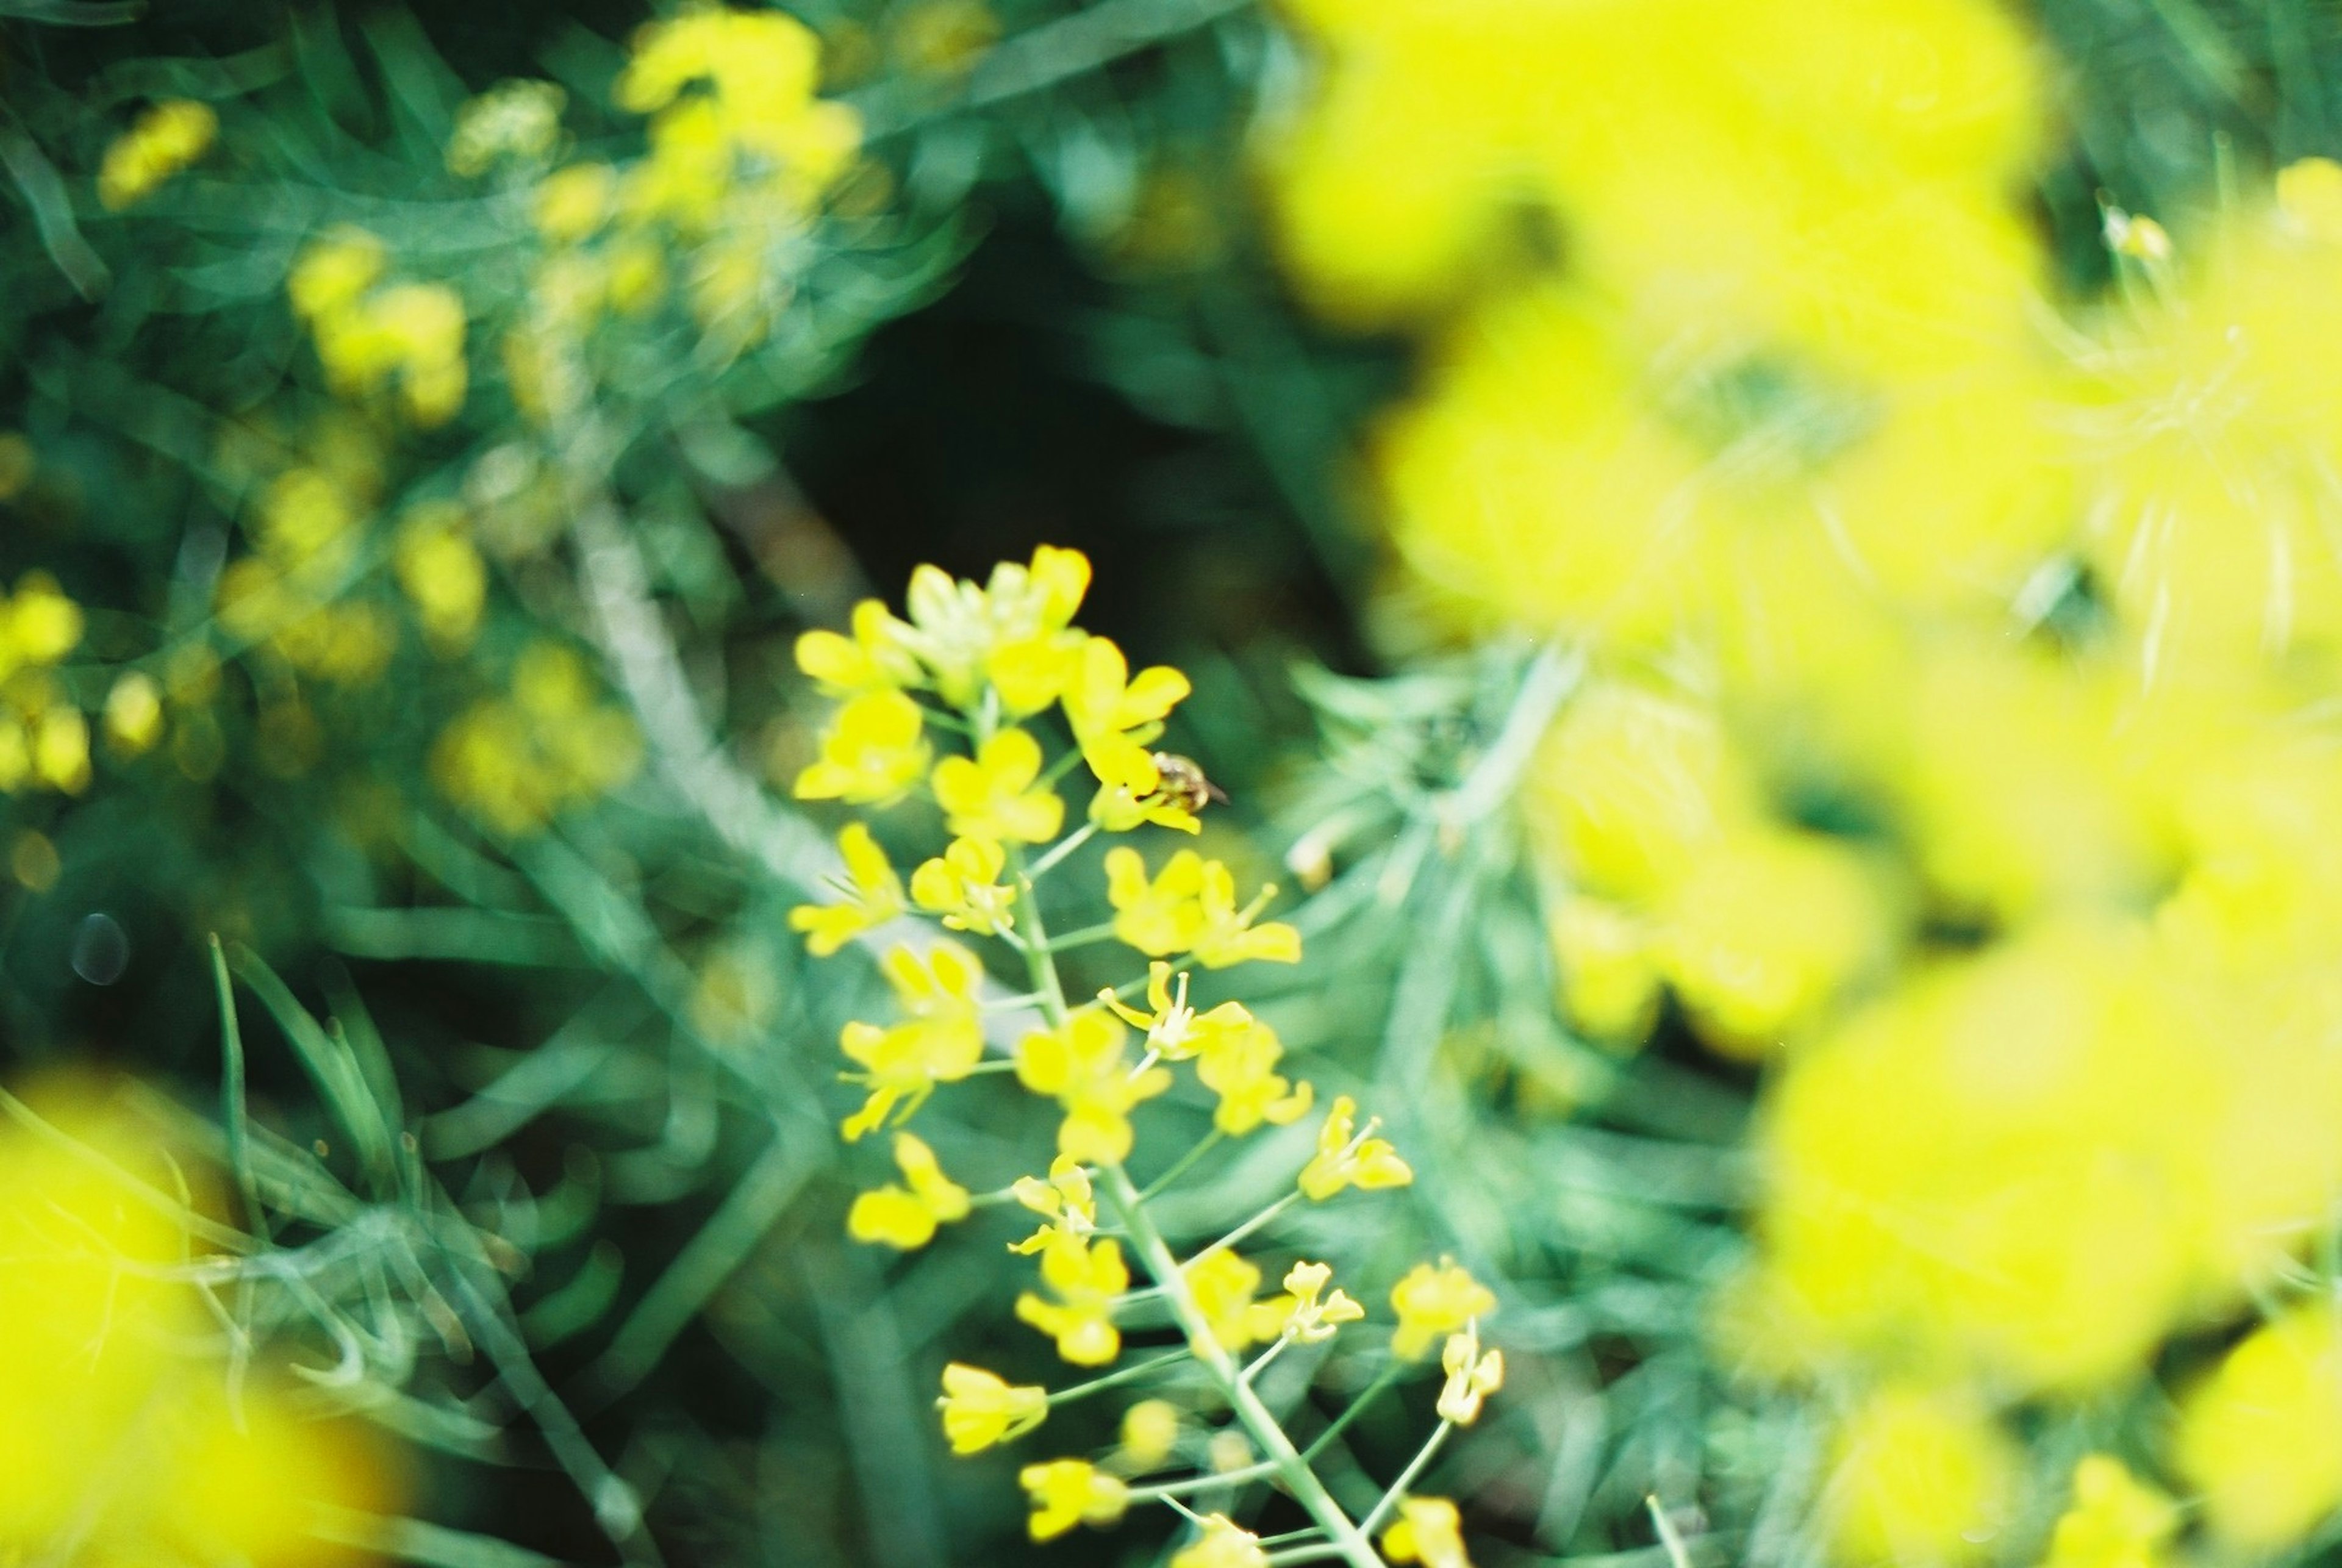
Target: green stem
[1114, 1379]
[1083, 938]
[1180, 1166]
[1194, 1484]
[1367, 1395]
[1382, 1510]
[1249, 1227]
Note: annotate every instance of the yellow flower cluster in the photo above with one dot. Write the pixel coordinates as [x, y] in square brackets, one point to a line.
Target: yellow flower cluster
[371, 335]
[124, 1436]
[952, 701]
[307, 527]
[44, 738]
[516, 760]
[168, 138]
[1960, 732]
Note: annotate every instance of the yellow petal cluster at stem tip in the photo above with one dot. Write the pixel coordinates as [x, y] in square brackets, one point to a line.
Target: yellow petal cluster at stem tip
[1238, 1063]
[1428, 1531]
[1082, 1066]
[906, 1216]
[1308, 1319]
[1347, 1158]
[873, 896]
[1069, 1492]
[1084, 1277]
[981, 1409]
[1115, 716]
[1223, 1287]
[962, 887]
[939, 1041]
[874, 753]
[367, 338]
[1013, 632]
[1433, 1301]
[1175, 1031]
[1064, 1201]
[1223, 1543]
[993, 794]
[1189, 906]
[2116, 1521]
[168, 137]
[1149, 1434]
[1472, 1375]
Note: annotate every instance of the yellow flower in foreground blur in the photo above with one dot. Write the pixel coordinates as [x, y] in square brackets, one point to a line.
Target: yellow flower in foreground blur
[1428, 1531]
[1433, 1302]
[2261, 1437]
[2116, 1521]
[1917, 1478]
[121, 1437]
[167, 138]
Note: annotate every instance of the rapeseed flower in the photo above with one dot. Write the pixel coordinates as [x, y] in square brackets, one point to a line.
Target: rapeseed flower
[1069, 1492]
[874, 753]
[1064, 1201]
[1081, 1065]
[1306, 1318]
[1472, 1375]
[873, 896]
[2115, 1519]
[962, 887]
[1238, 1064]
[1428, 1531]
[167, 139]
[939, 1041]
[995, 795]
[981, 1409]
[1433, 1301]
[1348, 1158]
[1084, 1277]
[1917, 1476]
[1223, 1543]
[2261, 1437]
[906, 1217]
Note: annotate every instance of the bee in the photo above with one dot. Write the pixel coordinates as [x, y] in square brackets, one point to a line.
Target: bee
[1181, 782]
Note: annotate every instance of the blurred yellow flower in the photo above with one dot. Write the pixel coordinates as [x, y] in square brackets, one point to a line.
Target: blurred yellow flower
[168, 138]
[995, 795]
[874, 753]
[906, 1217]
[1433, 1302]
[1084, 1277]
[2261, 1437]
[981, 1409]
[1069, 1492]
[2116, 1521]
[1918, 1477]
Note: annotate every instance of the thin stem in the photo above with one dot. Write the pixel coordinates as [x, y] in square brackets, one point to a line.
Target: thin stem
[1180, 1166]
[1102, 931]
[1249, 1227]
[1062, 848]
[1255, 1416]
[1382, 1510]
[1115, 1379]
[1289, 1537]
[1260, 1363]
[1193, 1483]
[1305, 1554]
[1367, 1395]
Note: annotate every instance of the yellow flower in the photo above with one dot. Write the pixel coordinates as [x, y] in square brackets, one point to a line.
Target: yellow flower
[1189, 906]
[1065, 1201]
[1116, 808]
[1610, 979]
[962, 886]
[1114, 716]
[2261, 1438]
[940, 1042]
[1085, 1278]
[1472, 1376]
[1223, 1285]
[873, 659]
[61, 749]
[1221, 1544]
[873, 896]
[443, 575]
[1175, 1031]
[167, 139]
[1346, 1158]
[981, 1409]
[1150, 1431]
[1069, 1492]
[333, 271]
[1011, 632]
[1918, 1477]
[39, 625]
[993, 794]
[873, 753]
[1427, 1531]
[572, 203]
[1306, 1318]
[2116, 1521]
[1433, 1302]
[134, 712]
[1080, 1065]
[518, 120]
[1238, 1063]
[906, 1217]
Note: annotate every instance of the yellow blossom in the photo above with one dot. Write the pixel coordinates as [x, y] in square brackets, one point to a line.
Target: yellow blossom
[962, 886]
[873, 659]
[1238, 1063]
[1189, 906]
[1120, 808]
[1918, 1476]
[333, 271]
[1223, 1286]
[1085, 1278]
[1346, 1158]
[1221, 1544]
[168, 138]
[519, 120]
[1150, 1432]
[1433, 1302]
[1010, 632]
[906, 1217]
[134, 712]
[39, 625]
[1308, 1319]
[61, 749]
[981, 1409]
[2261, 1437]
[1472, 1375]
[441, 570]
[874, 896]
[1081, 1065]
[574, 202]
[1427, 1531]
[2115, 1519]
[1064, 1201]
[1069, 1492]
[874, 753]
[993, 794]
[940, 1041]
[1175, 1031]
[1114, 716]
